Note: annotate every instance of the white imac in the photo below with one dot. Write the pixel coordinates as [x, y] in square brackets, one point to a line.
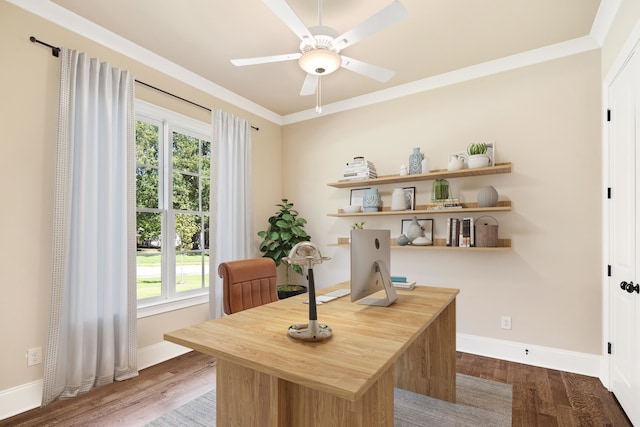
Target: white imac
[370, 263]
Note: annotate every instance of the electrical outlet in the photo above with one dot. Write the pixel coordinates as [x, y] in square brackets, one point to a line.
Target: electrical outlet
[34, 356]
[505, 322]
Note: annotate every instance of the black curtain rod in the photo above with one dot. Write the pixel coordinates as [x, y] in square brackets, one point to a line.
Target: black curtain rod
[55, 51]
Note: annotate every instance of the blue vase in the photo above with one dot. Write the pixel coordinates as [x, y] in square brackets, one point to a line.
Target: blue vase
[402, 240]
[371, 200]
[415, 161]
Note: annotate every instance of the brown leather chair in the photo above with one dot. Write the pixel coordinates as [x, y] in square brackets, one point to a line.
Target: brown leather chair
[248, 283]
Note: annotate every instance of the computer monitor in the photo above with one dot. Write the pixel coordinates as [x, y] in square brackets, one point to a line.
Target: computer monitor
[370, 263]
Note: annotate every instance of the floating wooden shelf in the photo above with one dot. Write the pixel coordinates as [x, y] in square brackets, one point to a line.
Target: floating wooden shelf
[502, 206]
[436, 174]
[438, 244]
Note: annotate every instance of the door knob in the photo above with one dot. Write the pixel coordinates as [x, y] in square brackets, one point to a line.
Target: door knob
[630, 287]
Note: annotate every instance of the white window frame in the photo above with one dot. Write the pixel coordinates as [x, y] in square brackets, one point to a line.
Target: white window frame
[170, 121]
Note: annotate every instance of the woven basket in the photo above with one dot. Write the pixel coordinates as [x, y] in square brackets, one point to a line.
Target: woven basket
[486, 234]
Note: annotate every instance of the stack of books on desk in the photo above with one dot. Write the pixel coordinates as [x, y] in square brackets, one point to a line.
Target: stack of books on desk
[359, 168]
[400, 282]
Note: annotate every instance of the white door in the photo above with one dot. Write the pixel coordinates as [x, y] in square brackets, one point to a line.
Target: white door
[624, 228]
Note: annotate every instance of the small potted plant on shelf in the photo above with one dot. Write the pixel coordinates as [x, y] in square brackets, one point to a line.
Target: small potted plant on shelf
[286, 229]
[358, 225]
[478, 157]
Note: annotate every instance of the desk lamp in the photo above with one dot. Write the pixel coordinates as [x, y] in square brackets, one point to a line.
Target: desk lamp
[306, 254]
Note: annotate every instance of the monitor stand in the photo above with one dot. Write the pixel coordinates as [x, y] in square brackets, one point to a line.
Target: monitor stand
[391, 296]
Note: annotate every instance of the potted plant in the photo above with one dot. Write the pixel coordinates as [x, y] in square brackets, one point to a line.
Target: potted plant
[286, 229]
[478, 157]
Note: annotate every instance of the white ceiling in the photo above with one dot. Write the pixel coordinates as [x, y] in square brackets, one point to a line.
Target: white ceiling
[438, 37]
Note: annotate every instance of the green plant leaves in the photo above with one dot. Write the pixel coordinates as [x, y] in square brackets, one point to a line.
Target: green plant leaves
[284, 232]
[479, 148]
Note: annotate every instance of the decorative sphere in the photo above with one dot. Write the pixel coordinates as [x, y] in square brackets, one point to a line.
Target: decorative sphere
[487, 197]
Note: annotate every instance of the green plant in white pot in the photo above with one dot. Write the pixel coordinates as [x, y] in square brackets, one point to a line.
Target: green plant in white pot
[478, 157]
[286, 229]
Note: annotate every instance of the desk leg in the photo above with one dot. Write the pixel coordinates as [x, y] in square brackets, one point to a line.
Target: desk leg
[249, 398]
[429, 365]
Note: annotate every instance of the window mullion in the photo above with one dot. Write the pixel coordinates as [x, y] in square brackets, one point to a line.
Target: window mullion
[168, 285]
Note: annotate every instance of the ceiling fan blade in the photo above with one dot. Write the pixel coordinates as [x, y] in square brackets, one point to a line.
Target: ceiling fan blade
[265, 59]
[283, 11]
[310, 85]
[386, 17]
[368, 70]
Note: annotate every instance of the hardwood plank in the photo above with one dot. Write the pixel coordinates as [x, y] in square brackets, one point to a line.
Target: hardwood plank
[134, 402]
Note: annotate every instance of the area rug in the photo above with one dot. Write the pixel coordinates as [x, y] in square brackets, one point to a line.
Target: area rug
[480, 403]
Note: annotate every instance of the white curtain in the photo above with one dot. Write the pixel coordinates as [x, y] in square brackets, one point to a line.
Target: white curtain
[92, 327]
[234, 224]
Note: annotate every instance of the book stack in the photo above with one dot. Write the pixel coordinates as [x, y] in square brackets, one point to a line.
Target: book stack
[359, 168]
[400, 282]
[444, 204]
[461, 232]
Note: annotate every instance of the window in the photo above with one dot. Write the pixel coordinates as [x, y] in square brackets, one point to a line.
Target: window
[173, 169]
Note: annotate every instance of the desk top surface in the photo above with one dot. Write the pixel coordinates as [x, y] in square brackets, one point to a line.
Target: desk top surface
[366, 340]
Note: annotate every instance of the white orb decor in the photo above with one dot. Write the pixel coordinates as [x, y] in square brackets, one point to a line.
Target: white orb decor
[487, 197]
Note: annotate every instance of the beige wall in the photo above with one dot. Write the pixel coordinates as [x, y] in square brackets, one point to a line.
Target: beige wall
[29, 80]
[545, 120]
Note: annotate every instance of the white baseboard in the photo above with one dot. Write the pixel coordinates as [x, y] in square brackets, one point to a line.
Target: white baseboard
[158, 353]
[22, 398]
[545, 357]
[16, 400]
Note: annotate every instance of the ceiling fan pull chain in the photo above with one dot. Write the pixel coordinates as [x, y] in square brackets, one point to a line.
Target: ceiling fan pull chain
[319, 96]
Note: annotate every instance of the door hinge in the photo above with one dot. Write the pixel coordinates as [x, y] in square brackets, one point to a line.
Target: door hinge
[609, 270]
[608, 115]
[608, 348]
[608, 192]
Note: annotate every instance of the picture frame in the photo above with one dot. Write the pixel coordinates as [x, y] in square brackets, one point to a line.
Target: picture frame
[491, 152]
[356, 196]
[425, 223]
[410, 197]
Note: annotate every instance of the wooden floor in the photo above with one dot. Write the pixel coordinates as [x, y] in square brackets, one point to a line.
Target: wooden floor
[541, 397]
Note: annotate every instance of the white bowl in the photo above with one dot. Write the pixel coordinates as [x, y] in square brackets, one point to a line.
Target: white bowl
[351, 208]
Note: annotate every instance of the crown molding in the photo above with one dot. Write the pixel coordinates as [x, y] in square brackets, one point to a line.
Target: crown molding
[60, 16]
[535, 56]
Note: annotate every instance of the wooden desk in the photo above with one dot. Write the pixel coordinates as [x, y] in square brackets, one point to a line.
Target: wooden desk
[266, 378]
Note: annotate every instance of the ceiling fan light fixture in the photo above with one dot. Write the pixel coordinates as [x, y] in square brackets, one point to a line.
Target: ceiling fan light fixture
[320, 62]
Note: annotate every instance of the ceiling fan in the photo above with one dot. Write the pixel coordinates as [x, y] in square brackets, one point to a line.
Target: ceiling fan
[320, 45]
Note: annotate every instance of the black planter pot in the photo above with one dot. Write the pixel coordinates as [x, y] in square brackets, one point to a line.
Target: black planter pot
[286, 291]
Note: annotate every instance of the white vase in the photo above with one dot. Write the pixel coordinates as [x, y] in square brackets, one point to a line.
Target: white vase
[398, 200]
[415, 230]
[425, 165]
